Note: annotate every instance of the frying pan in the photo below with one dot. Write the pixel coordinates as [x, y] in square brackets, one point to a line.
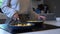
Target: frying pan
[19, 24]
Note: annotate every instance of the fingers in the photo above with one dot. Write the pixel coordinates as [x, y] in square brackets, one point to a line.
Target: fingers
[18, 19]
[43, 17]
[16, 16]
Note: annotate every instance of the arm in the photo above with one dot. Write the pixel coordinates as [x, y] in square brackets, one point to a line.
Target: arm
[8, 11]
[38, 16]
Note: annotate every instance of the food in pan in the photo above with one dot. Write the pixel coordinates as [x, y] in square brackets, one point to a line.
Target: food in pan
[18, 25]
[28, 24]
[34, 21]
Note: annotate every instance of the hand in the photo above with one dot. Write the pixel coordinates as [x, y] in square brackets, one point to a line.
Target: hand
[43, 17]
[16, 15]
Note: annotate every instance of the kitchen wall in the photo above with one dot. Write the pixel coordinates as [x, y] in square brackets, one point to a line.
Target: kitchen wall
[54, 6]
[35, 3]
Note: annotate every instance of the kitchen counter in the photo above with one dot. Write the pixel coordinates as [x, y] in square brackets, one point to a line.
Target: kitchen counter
[52, 31]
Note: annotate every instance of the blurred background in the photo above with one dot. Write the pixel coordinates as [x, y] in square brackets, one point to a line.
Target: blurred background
[48, 8]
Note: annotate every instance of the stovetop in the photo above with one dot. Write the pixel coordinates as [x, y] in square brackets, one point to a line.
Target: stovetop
[35, 28]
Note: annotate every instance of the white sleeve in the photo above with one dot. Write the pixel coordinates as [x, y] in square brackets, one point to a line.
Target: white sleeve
[15, 5]
[9, 12]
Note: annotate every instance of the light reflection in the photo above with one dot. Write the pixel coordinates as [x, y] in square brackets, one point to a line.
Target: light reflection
[3, 26]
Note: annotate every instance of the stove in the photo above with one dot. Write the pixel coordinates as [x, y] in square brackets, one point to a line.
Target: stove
[37, 27]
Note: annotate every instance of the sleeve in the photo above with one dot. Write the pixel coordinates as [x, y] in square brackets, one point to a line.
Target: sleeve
[8, 11]
[15, 5]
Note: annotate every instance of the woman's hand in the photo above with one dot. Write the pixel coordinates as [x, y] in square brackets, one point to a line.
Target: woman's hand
[43, 17]
[16, 15]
